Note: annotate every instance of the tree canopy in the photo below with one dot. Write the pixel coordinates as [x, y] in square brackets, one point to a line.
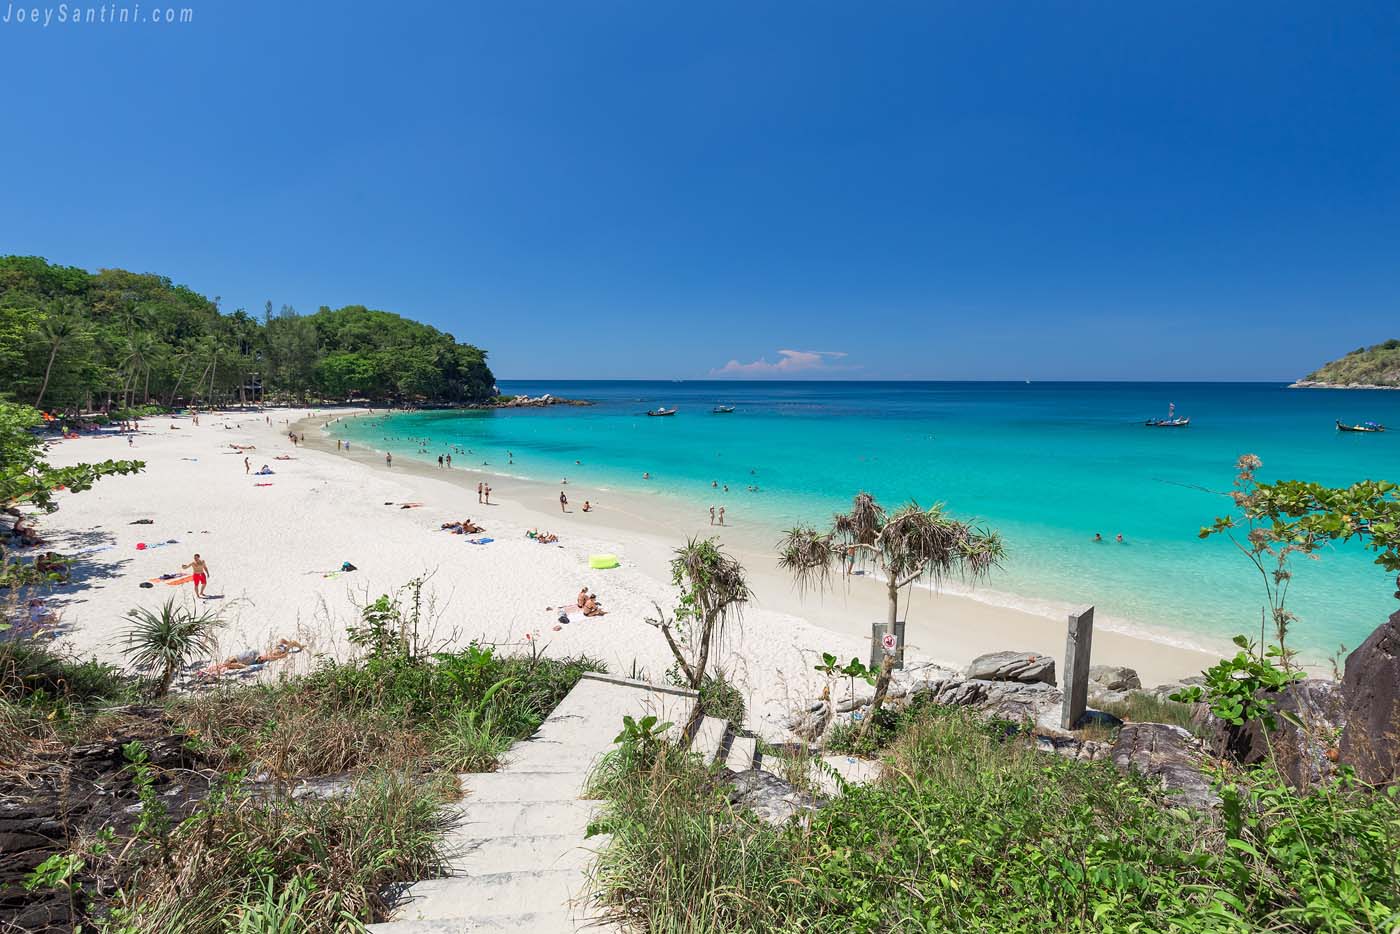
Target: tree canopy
[70, 339]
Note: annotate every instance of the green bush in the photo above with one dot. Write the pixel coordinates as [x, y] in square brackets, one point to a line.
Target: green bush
[972, 830]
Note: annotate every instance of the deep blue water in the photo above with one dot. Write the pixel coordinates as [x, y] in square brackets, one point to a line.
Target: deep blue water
[1047, 464]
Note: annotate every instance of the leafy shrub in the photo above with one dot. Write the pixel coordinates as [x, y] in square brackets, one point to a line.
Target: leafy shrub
[971, 830]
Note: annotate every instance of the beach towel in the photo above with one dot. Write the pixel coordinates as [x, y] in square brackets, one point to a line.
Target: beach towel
[262, 484]
[177, 581]
[480, 541]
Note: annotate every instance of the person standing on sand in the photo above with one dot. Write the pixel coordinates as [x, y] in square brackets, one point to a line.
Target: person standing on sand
[721, 515]
[563, 502]
[479, 488]
[449, 462]
[388, 459]
[712, 515]
[201, 574]
[439, 462]
[487, 490]
[247, 466]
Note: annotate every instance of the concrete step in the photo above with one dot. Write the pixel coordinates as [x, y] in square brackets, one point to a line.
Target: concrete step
[481, 819]
[491, 894]
[742, 750]
[544, 922]
[708, 738]
[521, 785]
[476, 855]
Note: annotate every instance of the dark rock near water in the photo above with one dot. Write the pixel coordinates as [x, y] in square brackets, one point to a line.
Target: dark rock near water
[771, 799]
[1305, 756]
[1371, 739]
[1012, 666]
[1168, 754]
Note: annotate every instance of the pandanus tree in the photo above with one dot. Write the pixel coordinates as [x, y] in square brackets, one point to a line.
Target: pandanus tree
[56, 332]
[713, 592]
[908, 545]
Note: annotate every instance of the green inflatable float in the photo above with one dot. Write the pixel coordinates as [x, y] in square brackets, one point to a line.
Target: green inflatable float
[602, 562]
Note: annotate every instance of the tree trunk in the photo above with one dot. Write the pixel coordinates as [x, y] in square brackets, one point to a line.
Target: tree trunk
[882, 681]
[48, 369]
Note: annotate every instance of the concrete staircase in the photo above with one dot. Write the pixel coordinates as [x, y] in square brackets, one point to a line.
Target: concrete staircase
[518, 843]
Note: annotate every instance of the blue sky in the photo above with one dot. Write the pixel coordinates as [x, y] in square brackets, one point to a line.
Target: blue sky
[934, 190]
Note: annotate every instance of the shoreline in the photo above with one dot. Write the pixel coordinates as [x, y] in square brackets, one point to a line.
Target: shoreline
[662, 521]
[274, 545]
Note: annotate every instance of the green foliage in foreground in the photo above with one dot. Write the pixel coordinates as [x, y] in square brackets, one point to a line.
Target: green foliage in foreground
[1377, 365]
[400, 723]
[281, 865]
[971, 832]
[74, 339]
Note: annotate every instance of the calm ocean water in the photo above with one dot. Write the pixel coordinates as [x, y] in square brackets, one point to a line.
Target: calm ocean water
[1047, 464]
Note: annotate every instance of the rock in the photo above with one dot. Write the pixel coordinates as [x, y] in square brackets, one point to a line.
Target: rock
[1012, 666]
[1008, 700]
[1164, 691]
[771, 799]
[1168, 754]
[1082, 750]
[1304, 756]
[1371, 687]
[1113, 678]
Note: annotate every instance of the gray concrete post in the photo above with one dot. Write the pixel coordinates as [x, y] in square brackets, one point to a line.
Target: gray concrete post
[899, 647]
[1079, 639]
[877, 648]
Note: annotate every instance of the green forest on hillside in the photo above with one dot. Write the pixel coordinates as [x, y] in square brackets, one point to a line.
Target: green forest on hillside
[71, 339]
[1377, 365]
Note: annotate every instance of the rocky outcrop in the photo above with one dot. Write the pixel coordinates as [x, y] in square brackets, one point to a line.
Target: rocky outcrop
[1170, 755]
[1305, 754]
[1025, 667]
[771, 799]
[1005, 700]
[1370, 742]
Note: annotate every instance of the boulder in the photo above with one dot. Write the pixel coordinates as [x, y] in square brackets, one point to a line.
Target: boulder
[1025, 667]
[771, 799]
[1305, 756]
[1169, 754]
[1371, 687]
[1008, 700]
[1082, 750]
[1113, 678]
[1165, 691]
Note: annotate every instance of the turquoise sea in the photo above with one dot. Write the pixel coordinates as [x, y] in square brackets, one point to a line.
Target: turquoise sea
[1047, 464]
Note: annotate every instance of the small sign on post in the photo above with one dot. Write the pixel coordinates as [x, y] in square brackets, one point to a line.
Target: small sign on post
[877, 645]
[1079, 639]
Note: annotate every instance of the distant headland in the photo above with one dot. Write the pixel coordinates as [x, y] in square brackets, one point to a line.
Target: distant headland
[1374, 367]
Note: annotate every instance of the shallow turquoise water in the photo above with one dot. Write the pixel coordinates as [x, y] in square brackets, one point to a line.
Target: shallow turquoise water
[1047, 464]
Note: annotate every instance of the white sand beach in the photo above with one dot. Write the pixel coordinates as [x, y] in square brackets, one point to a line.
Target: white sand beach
[274, 552]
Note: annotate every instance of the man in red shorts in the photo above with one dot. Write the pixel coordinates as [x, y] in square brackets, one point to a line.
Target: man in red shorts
[201, 575]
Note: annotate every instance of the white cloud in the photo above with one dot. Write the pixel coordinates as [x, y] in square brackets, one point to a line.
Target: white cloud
[789, 362]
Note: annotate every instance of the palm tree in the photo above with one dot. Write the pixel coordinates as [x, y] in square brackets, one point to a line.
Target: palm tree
[713, 592]
[909, 545]
[161, 642]
[56, 332]
[141, 350]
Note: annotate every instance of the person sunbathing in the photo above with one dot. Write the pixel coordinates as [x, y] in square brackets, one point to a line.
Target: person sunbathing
[265, 472]
[592, 607]
[249, 657]
[546, 538]
[583, 597]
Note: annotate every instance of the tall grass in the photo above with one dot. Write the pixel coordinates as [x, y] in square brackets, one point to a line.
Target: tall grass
[972, 830]
[285, 865]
